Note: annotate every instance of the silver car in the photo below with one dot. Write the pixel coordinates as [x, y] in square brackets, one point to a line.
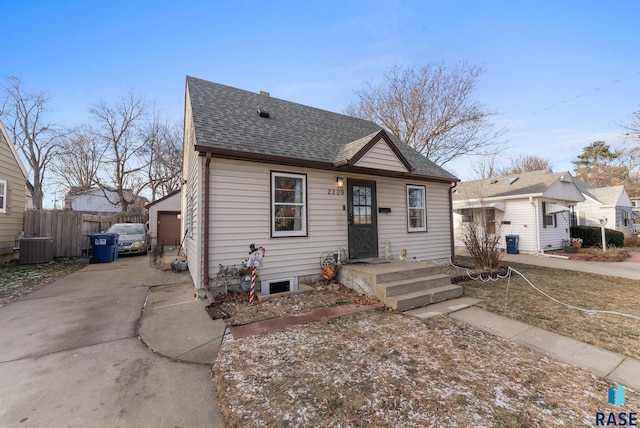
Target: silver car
[133, 238]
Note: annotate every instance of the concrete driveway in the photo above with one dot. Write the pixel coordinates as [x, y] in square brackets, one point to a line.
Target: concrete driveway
[70, 356]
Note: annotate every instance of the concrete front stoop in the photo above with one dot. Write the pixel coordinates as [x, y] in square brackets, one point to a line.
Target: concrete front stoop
[401, 285]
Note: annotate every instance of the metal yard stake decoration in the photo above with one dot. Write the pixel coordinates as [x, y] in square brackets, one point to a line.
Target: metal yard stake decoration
[256, 256]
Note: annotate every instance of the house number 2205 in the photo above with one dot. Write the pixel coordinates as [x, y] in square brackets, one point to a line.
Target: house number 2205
[337, 192]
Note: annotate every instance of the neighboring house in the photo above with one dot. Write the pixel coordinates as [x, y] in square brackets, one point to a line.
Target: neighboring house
[635, 202]
[536, 206]
[612, 203]
[300, 182]
[164, 220]
[98, 200]
[13, 183]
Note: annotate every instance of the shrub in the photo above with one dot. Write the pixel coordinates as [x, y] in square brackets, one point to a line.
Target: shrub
[592, 236]
[632, 241]
[482, 243]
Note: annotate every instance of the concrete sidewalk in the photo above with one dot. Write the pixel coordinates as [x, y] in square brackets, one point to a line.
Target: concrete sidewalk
[629, 270]
[611, 365]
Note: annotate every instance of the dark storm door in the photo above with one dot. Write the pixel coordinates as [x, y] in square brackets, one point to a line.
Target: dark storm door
[362, 216]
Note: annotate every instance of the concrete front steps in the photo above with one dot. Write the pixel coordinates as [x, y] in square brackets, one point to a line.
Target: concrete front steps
[401, 285]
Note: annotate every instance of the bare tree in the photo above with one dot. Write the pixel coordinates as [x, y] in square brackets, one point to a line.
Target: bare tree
[485, 167]
[36, 138]
[118, 130]
[525, 163]
[431, 110]
[78, 160]
[632, 128]
[163, 150]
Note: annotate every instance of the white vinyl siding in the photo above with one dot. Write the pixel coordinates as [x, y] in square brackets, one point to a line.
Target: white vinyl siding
[551, 236]
[240, 207]
[519, 215]
[563, 191]
[381, 157]
[393, 236]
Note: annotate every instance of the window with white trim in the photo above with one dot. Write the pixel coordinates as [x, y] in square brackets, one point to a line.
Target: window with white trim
[467, 215]
[3, 196]
[416, 209]
[548, 220]
[288, 204]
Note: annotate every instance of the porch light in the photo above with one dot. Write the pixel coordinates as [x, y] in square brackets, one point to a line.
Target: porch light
[340, 182]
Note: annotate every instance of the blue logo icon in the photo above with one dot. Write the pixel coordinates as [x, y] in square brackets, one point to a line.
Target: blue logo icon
[616, 395]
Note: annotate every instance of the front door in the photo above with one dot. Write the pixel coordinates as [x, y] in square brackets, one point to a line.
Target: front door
[363, 219]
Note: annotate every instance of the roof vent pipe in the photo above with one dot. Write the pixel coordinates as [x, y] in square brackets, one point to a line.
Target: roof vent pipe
[263, 113]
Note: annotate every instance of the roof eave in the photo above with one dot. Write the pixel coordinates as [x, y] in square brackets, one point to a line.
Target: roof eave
[342, 166]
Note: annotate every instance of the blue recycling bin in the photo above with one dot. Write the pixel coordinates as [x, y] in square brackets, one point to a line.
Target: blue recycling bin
[105, 246]
[512, 244]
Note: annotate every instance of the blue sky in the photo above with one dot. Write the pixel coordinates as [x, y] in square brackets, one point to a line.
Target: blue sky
[560, 74]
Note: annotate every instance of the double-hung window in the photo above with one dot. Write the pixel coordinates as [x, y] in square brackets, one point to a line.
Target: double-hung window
[416, 209]
[288, 204]
[3, 196]
[548, 220]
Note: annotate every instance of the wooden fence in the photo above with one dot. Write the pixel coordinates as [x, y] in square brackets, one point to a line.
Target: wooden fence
[70, 229]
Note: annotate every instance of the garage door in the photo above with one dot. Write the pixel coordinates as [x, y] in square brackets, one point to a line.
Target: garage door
[168, 227]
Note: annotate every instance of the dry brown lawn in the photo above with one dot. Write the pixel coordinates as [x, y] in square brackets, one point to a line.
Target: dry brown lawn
[516, 299]
[381, 368]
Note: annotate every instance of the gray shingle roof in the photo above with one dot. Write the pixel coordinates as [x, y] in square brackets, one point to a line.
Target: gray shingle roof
[527, 183]
[226, 118]
[605, 195]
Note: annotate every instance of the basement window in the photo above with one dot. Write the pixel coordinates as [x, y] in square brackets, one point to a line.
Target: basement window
[275, 286]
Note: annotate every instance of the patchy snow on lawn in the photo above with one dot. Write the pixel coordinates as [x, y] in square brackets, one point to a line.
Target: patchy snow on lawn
[380, 368]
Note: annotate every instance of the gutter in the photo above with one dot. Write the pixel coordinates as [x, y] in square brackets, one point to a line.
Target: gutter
[205, 226]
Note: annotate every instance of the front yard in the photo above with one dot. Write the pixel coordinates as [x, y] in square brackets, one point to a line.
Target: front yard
[518, 300]
[381, 368]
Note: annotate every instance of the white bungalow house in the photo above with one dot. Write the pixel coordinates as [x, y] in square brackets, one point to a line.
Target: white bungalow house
[164, 220]
[535, 206]
[612, 203]
[13, 197]
[99, 200]
[300, 181]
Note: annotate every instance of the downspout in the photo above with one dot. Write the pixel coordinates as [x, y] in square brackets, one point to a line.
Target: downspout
[536, 228]
[453, 244]
[539, 251]
[205, 226]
